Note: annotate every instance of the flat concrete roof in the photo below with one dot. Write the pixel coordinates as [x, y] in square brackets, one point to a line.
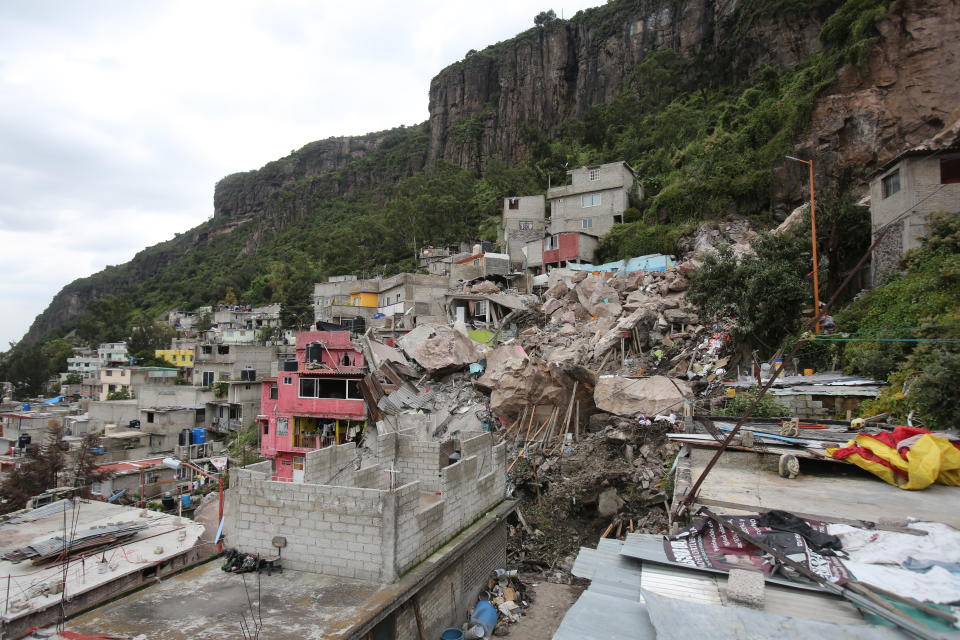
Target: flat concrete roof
[133, 555]
[207, 603]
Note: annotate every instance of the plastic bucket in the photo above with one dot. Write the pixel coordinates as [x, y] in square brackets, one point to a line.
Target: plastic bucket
[808, 372]
[451, 634]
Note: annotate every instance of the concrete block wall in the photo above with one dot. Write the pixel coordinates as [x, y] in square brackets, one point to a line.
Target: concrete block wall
[448, 599]
[347, 522]
[329, 529]
[467, 491]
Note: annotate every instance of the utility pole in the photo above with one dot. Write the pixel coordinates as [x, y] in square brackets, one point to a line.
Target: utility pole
[813, 241]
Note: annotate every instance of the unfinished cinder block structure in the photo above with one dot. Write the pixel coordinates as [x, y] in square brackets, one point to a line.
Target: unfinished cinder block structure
[368, 514]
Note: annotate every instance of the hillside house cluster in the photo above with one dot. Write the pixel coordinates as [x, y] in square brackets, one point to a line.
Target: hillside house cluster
[580, 213]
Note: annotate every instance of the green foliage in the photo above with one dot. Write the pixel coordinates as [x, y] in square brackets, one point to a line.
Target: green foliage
[220, 388]
[73, 378]
[146, 337]
[544, 17]
[763, 290]
[926, 295]
[123, 394]
[768, 407]
[638, 239]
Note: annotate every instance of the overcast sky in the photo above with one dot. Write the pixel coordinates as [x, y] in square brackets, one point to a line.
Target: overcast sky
[117, 117]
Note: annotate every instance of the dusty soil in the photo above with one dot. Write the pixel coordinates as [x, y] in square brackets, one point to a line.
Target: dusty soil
[550, 604]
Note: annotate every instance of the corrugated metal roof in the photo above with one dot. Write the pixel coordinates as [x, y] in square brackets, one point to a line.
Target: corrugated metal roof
[54, 508]
[616, 603]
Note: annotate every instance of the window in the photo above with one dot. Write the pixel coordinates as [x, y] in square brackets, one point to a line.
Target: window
[109, 373]
[207, 349]
[248, 375]
[950, 171]
[617, 219]
[223, 349]
[111, 388]
[551, 243]
[590, 200]
[266, 428]
[308, 387]
[273, 391]
[525, 225]
[283, 426]
[207, 378]
[594, 174]
[149, 416]
[586, 223]
[353, 390]
[287, 380]
[513, 203]
[891, 184]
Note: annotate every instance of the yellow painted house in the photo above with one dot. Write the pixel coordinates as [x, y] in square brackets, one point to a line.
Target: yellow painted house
[364, 299]
[176, 357]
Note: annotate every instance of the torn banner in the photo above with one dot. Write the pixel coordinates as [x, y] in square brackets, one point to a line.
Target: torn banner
[707, 545]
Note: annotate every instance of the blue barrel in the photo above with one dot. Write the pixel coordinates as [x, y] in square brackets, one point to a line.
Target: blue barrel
[185, 500]
[25, 407]
[485, 614]
[451, 634]
[198, 435]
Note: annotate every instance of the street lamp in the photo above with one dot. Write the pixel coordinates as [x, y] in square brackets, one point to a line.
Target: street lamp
[813, 241]
[173, 463]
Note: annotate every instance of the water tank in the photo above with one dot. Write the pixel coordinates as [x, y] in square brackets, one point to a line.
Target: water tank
[24, 440]
[314, 352]
[168, 501]
[198, 435]
[26, 406]
[185, 500]
[184, 438]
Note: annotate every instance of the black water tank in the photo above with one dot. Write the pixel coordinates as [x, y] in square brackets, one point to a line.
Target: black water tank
[184, 437]
[23, 440]
[314, 352]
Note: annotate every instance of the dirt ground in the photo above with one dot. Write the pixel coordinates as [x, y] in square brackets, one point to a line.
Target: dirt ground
[547, 610]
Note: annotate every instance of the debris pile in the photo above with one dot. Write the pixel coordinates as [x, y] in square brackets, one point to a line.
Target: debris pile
[607, 485]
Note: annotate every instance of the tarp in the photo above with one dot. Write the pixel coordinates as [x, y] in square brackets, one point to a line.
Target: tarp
[652, 262]
[53, 400]
[908, 457]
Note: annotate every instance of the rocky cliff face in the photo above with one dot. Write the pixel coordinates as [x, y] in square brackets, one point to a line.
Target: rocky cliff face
[478, 107]
[905, 95]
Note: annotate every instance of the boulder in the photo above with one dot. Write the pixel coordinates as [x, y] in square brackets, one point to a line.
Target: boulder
[558, 291]
[551, 305]
[485, 287]
[608, 502]
[444, 350]
[634, 396]
[502, 360]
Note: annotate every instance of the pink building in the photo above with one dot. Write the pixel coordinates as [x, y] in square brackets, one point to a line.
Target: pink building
[314, 402]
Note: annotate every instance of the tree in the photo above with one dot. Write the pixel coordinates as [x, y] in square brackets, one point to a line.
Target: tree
[147, 336]
[73, 378]
[40, 472]
[85, 464]
[204, 322]
[763, 291]
[544, 17]
[123, 394]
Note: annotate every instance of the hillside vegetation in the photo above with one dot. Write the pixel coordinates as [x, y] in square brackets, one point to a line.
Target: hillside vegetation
[704, 141]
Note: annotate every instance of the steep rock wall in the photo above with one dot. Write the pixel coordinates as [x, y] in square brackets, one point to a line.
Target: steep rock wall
[479, 106]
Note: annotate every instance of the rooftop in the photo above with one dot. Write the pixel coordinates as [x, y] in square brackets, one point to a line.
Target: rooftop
[28, 592]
